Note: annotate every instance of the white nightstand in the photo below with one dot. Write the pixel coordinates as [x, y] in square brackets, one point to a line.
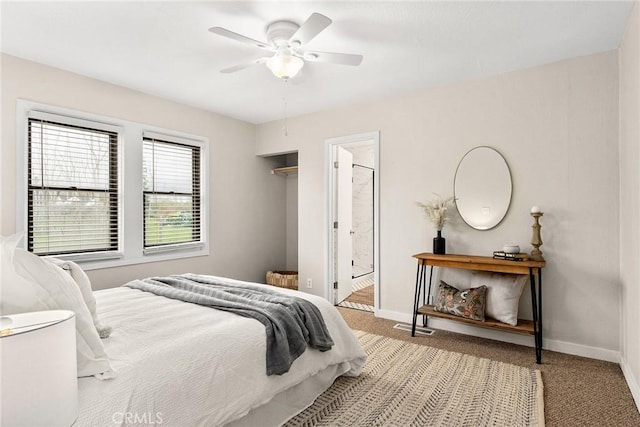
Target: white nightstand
[38, 372]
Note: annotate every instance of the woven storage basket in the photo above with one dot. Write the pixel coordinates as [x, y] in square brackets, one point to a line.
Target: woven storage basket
[283, 279]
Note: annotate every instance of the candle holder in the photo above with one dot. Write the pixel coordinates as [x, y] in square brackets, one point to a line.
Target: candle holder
[536, 238]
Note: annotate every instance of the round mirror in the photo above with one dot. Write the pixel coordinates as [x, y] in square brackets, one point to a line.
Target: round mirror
[482, 188]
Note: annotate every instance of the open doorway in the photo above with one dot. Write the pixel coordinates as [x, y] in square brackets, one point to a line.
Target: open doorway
[353, 221]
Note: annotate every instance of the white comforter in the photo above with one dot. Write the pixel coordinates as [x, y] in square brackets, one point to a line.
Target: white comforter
[180, 364]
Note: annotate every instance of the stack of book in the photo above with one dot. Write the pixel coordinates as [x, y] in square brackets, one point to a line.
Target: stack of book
[510, 257]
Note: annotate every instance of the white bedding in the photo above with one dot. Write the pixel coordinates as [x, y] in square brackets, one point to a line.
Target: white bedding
[180, 364]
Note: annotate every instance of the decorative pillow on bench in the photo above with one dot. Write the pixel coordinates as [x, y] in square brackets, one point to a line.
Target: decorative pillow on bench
[503, 294]
[467, 303]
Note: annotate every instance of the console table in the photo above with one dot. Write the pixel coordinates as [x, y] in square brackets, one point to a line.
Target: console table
[481, 263]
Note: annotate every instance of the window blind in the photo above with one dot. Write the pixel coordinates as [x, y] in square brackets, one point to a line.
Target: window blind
[171, 192]
[72, 196]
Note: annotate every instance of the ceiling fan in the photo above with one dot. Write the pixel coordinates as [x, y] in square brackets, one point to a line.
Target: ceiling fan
[288, 40]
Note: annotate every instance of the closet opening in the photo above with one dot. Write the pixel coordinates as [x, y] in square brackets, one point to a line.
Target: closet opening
[285, 168]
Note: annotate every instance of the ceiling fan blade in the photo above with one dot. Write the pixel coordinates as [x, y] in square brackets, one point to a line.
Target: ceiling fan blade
[243, 66]
[332, 58]
[240, 38]
[311, 28]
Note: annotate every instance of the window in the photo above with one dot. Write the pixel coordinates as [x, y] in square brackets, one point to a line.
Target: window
[171, 193]
[72, 196]
[108, 192]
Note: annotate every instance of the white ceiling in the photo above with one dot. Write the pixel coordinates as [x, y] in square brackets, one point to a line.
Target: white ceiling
[164, 48]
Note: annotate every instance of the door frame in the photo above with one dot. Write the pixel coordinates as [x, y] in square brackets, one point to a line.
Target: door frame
[329, 209]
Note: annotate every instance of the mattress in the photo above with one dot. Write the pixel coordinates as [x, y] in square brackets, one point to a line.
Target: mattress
[180, 364]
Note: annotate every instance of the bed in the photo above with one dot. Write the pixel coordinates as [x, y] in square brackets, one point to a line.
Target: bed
[187, 365]
[162, 361]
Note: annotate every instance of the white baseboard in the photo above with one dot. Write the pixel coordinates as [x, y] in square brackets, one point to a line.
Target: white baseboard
[581, 350]
[634, 386]
[526, 340]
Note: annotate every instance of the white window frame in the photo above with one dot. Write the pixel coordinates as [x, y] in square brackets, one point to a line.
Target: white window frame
[130, 206]
[182, 141]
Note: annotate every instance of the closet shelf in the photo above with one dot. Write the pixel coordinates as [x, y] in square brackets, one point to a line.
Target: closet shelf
[285, 171]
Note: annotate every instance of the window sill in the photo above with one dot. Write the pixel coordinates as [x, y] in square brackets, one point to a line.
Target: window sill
[173, 248]
[193, 252]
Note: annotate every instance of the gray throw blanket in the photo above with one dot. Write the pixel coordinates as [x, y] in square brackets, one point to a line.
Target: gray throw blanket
[290, 322]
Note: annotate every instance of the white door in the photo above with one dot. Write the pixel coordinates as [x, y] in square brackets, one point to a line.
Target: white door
[344, 201]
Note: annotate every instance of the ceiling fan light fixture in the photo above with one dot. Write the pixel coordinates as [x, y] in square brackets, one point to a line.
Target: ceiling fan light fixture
[288, 40]
[285, 66]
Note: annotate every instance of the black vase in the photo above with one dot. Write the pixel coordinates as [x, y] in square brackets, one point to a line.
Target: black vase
[439, 244]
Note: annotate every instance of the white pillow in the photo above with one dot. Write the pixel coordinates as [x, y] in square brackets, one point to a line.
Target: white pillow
[17, 294]
[503, 294]
[84, 284]
[30, 283]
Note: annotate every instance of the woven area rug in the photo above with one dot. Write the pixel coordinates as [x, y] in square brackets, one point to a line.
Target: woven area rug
[405, 384]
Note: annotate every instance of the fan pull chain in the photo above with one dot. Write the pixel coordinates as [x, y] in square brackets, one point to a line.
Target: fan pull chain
[285, 128]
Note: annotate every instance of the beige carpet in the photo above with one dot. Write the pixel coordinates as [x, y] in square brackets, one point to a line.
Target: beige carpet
[578, 392]
[405, 384]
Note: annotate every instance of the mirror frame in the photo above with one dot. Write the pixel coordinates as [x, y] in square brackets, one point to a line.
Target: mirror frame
[508, 205]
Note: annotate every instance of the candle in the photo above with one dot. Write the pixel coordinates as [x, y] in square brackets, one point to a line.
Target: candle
[535, 209]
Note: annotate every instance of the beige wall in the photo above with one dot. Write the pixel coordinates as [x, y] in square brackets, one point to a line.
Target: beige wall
[247, 218]
[630, 201]
[557, 127]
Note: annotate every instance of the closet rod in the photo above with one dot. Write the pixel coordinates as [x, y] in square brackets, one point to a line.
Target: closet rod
[285, 170]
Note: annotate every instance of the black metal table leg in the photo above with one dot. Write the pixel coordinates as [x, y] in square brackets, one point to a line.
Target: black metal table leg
[424, 289]
[540, 309]
[537, 324]
[425, 318]
[416, 297]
